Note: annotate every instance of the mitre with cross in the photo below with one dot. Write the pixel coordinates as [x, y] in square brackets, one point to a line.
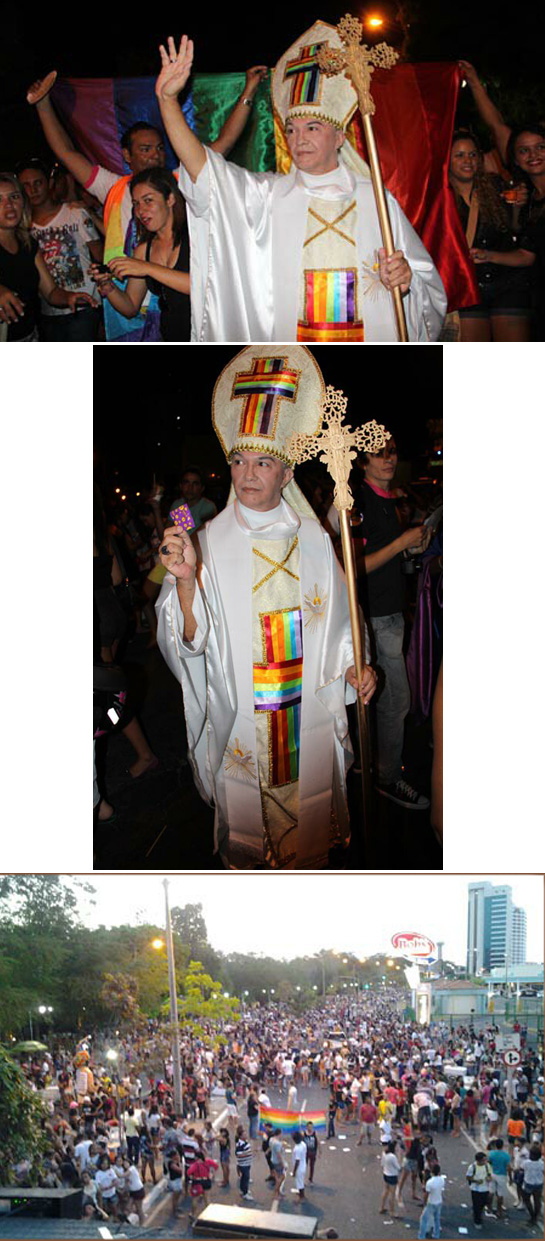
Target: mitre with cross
[264, 395]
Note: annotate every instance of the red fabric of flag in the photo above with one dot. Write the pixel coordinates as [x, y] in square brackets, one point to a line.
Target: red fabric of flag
[413, 126]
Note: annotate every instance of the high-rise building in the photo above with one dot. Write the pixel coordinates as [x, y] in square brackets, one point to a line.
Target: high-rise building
[496, 929]
[519, 936]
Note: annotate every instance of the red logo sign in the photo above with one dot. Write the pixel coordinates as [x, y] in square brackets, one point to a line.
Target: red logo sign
[411, 944]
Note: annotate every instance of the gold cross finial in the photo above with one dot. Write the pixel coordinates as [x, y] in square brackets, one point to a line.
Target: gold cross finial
[356, 59]
[338, 443]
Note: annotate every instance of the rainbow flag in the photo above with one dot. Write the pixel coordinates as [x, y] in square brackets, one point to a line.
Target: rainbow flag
[289, 1121]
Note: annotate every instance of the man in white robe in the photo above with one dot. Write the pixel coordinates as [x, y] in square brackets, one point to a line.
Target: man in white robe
[297, 256]
[259, 633]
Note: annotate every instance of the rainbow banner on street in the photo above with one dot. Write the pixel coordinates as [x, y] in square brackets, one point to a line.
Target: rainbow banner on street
[288, 1121]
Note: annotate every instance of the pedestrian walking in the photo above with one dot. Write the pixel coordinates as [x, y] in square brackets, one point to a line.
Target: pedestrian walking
[390, 1175]
[310, 1138]
[299, 1162]
[243, 1155]
[434, 1192]
[278, 1163]
[479, 1179]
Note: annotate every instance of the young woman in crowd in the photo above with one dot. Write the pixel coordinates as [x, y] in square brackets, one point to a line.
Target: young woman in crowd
[161, 261]
[504, 278]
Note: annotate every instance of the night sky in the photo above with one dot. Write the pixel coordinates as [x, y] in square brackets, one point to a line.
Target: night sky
[88, 41]
[161, 418]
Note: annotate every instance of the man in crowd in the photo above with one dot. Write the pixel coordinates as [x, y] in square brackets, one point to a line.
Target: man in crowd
[201, 508]
[265, 626]
[300, 256]
[380, 569]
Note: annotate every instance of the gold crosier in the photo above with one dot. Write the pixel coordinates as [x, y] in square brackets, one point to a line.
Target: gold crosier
[359, 62]
[339, 445]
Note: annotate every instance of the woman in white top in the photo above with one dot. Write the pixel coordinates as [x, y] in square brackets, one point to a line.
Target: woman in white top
[106, 1182]
[390, 1175]
[135, 1187]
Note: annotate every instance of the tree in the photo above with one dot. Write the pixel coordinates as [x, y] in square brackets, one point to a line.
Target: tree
[203, 1000]
[21, 1123]
[119, 994]
[189, 924]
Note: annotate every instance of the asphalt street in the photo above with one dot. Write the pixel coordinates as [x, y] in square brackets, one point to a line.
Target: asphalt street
[346, 1194]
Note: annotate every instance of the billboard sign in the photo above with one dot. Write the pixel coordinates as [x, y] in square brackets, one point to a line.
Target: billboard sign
[411, 944]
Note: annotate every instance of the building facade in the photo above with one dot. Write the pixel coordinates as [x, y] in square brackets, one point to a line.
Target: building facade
[496, 929]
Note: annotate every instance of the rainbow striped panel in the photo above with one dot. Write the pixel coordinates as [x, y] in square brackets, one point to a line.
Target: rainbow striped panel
[331, 306]
[289, 1121]
[277, 690]
[305, 74]
[269, 380]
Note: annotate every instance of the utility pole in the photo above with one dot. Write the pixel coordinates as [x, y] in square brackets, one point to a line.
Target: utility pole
[176, 1069]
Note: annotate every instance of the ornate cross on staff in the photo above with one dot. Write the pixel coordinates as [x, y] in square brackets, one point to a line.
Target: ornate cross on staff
[339, 445]
[359, 62]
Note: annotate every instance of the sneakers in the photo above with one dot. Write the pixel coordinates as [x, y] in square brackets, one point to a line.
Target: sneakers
[404, 795]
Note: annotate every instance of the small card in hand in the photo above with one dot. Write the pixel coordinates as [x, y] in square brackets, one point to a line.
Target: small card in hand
[182, 517]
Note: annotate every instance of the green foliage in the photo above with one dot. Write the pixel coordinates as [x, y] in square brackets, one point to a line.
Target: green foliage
[203, 999]
[21, 1117]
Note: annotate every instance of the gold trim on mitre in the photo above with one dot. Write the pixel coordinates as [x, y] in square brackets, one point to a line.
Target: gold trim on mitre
[335, 97]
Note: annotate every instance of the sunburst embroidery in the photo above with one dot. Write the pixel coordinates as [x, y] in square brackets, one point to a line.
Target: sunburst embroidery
[239, 763]
[371, 282]
[314, 606]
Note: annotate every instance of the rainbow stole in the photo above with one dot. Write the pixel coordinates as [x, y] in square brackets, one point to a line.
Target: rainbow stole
[330, 306]
[263, 388]
[277, 690]
[289, 1121]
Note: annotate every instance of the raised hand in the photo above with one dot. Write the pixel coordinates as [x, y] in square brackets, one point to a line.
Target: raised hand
[176, 68]
[178, 554]
[41, 87]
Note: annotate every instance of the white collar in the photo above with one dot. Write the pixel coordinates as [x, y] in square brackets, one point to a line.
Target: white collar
[281, 522]
[336, 184]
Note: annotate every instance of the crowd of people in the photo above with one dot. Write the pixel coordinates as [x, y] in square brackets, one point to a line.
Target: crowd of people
[405, 1089]
[86, 254]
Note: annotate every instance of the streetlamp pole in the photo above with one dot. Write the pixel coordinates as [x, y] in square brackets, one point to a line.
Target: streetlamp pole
[176, 1069]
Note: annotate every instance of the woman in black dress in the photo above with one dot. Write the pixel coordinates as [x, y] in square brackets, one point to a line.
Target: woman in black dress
[161, 261]
[503, 270]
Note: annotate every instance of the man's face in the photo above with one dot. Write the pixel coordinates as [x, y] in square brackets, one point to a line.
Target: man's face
[381, 466]
[147, 150]
[35, 185]
[258, 480]
[313, 144]
[192, 488]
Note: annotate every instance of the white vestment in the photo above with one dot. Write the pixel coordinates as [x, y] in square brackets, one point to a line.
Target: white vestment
[247, 235]
[216, 672]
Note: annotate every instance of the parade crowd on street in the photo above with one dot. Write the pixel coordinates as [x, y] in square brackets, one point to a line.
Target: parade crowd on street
[403, 1088]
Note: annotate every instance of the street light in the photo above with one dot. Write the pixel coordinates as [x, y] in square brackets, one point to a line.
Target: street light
[158, 944]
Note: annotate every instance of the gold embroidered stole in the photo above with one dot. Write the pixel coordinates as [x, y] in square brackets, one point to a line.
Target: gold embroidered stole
[329, 290]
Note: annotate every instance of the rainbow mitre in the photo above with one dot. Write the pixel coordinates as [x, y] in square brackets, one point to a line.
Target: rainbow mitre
[265, 394]
[300, 89]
